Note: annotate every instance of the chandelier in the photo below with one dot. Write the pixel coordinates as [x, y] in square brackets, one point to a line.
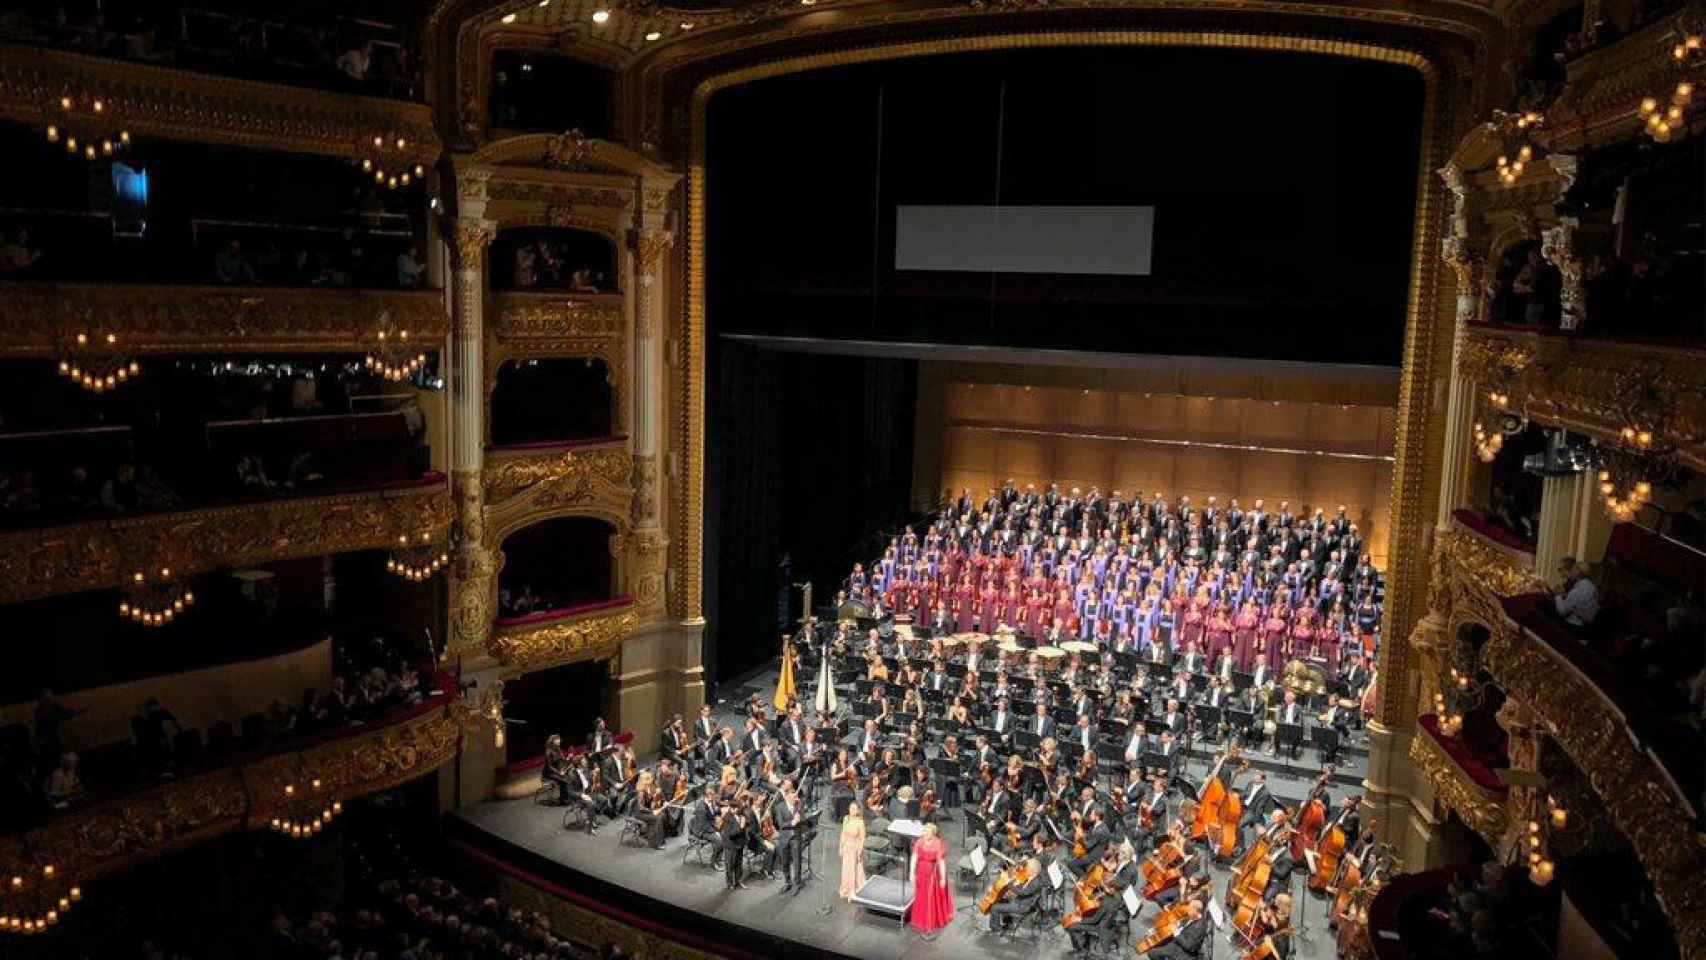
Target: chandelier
[417, 558]
[1623, 486]
[384, 159]
[154, 601]
[1517, 130]
[95, 361]
[1666, 114]
[34, 898]
[309, 807]
[84, 124]
[393, 355]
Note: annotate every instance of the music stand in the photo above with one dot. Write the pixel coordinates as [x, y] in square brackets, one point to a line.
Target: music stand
[1241, 681]
[1289, 734]
[1239, 719]
[1326, 741]
[1206, 714]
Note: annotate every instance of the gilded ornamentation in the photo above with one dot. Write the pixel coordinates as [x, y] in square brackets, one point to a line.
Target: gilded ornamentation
[163, 103]
[569, 151]
[1482, 809]
[1558, 247]
[561, 215]
[553, 317]
[111, 837]
[572, 474]
[473, 183]
[474, 571]
[1473, 563]
[92, 556]
[153, 319]
[549, 192]
[651, 246]
[594, 636]
[470, 240]
[1560, 381]
[647, 571]
[645, 488]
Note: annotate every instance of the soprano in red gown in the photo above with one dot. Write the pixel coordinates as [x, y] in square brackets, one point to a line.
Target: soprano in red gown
[932, 904]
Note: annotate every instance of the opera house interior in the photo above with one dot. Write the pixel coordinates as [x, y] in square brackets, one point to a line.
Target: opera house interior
[853, 478]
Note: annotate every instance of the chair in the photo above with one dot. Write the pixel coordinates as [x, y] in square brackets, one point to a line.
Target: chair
[633, 832]
[704, 849]
[970, 876]
[576, 816]
[546, 794]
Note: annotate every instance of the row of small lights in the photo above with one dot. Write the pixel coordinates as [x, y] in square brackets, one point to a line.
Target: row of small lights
[1540, 867]
[1509, 169]
[40, 923]
[601, 16]
[1662, 121]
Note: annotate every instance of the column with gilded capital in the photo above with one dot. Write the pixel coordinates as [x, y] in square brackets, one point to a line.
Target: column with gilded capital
[1467, 263]
[474, 568]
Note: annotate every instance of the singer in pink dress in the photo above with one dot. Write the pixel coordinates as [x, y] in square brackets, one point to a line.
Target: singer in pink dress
[932, 904]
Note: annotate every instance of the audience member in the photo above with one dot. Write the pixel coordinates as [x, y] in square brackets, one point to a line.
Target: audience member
[1577, 600]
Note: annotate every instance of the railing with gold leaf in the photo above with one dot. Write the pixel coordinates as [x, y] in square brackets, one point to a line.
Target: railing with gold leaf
[182, 319]
[116, 834]
[593, 632]
[168, 103]
[1595, 387]
[1543, 667]
[99, 554]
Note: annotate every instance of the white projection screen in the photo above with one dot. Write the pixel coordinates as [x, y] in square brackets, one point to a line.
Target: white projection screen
[1093, 240]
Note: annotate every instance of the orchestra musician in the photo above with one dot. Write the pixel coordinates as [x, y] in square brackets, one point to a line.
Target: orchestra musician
[1019, 899]
[732, 830]
[556, 768]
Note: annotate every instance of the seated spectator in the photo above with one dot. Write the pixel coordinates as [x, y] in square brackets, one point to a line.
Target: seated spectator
[355, 62]
[410, 270]
[119, 493]
[151, 493]
[63, 787]
[17, 255]
[230, 266]
[1577, 601]
[313, 715]
[280, 719]
[153, 728]
[338, 702]
[80, 494]
[252, 474]
[583, 281]
[525, 274]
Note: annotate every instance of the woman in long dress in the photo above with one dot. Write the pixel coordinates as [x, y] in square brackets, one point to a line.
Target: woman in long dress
[852, 852]
[932, 905]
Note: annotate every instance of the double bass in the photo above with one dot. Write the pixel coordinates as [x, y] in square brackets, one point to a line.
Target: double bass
[1244, 889]
[1311, 816]
[1211, 796]
[1329, 851]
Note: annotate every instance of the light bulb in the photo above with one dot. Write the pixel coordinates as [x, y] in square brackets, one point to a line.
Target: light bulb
[601, 15]
[1649, 104]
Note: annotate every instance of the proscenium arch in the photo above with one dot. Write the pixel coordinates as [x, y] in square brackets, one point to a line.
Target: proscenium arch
[1426, 335]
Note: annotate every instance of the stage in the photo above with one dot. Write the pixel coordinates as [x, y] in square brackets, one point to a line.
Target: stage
[665, 888]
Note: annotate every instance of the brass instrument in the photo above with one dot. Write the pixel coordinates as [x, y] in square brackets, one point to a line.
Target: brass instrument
[1304, 678]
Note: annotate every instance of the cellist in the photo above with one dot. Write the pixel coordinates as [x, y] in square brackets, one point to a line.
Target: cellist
[1188, 942]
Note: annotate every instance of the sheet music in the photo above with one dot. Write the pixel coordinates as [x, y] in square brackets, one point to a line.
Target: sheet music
[1309, 857]
[907, 828]
[1054, 875]
[1216, 914]
[1132, 904]
[977, 862]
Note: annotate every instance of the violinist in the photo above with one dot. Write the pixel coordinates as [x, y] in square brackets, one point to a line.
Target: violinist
[732, 829]
[1152, 814]
[1026, 826]
[556, 769]
[1090, 833]
[622, 776]
[586, 788]
[958, 713]
[1084, 736]
[1273, 921]
[704, 820]
[649, 808]
[674, 739]
[599, 741]
[1098, 904]
[1019, 898]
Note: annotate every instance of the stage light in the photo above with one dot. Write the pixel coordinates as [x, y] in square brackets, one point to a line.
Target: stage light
[601, 15]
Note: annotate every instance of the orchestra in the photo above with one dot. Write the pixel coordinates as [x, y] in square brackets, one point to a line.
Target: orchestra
[1042, 665]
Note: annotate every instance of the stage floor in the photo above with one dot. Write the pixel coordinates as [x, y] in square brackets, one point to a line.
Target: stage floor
[662, 878]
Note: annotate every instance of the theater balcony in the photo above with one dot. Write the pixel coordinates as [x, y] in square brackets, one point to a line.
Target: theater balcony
[226, 788]
[1597, 715]
[161, 88]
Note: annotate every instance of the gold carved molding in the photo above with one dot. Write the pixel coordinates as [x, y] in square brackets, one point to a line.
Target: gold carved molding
[1602, 87]
[169, 103]
[1485, 811]
[590, 926]
[534, 325]
[1578, 384]
[157, 319]
[114, 836]
[1636, 793]
[98, 554]
[1471, 576]
[559, 477]
[596, 635]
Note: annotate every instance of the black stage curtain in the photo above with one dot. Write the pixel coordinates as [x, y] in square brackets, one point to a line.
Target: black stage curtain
[808, 456]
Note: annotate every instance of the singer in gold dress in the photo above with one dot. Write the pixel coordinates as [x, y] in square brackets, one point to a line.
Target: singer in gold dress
[852, 852]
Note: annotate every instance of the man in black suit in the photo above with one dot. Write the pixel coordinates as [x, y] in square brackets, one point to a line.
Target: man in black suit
[785, 813]
[1020, 900]
[1259, 804]
[1187, 944]
[1096, 837]
[1042, 724]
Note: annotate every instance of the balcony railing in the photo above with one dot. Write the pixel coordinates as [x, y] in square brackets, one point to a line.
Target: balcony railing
[1461, 780]
[587, 632]
[96, 555]
[168, 103]
[1564, 381]
[116, 834]
[155, 319]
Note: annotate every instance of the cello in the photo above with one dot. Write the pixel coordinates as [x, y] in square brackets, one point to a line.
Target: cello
[1330, 850]
[1311, 816]
[1006, 880]
[1087, 895]
[1169, 921]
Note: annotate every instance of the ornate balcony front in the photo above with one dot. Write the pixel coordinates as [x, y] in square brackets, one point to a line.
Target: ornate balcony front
[115, 835]
[168, 103]
[1460, 781]
[97, 555]
[153, 319]
[553, 638]
[1592, 386]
